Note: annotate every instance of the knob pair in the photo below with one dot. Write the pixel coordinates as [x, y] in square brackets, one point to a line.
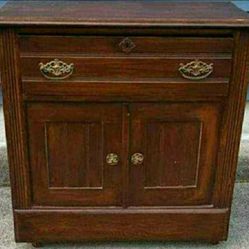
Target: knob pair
[113, 159]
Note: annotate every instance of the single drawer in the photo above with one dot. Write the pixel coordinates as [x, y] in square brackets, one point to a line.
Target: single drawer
[135, 69]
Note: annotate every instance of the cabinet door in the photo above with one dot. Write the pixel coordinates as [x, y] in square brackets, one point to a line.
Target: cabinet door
[68, 147]
[178, 143]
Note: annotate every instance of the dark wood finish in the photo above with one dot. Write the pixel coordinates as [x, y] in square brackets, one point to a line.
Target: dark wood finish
[173, 224]
[123, 68]
[179, 144]
[15, 120]
[68, 146]
[155, 60]
[124, 91]
[122, 13]
[151, 58]
[232, 123]
[124, 101]
[124, 31]
[110, 45]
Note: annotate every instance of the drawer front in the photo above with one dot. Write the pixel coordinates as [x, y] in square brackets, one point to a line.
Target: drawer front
[125, 68]
[61, 63]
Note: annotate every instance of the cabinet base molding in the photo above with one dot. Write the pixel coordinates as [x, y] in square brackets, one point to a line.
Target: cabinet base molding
[76, 225]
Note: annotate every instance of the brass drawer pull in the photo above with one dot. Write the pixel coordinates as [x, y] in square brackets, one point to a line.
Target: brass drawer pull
[196, 70]
[56, 69]
[137, 158]
[112, 159]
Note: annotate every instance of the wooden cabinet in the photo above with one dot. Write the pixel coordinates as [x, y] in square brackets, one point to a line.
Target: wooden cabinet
[123, 118]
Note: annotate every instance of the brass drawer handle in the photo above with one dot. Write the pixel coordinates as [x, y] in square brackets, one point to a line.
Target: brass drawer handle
[56, 69]
[112, 159]
[137, 158]
[196, 70]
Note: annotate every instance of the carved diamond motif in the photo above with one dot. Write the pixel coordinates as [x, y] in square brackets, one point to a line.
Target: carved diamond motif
[127, 45]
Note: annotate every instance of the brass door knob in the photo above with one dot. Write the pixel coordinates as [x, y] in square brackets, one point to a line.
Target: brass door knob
[137, 158]
[112, 159]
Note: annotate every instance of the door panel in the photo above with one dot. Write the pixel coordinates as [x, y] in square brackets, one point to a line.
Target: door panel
[68, 148]
[178, 142]
[74, 158]
[167, 137]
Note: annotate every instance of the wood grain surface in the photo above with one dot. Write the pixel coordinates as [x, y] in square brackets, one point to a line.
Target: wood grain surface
[125, 102]
[123, 13]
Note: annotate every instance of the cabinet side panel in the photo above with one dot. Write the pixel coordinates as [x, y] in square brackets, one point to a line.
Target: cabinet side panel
[230, 130]
[14, 119]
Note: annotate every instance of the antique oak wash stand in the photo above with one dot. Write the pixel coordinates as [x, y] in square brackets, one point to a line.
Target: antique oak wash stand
[123, 118]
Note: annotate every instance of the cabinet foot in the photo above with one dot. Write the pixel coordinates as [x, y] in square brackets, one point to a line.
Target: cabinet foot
[37, 244]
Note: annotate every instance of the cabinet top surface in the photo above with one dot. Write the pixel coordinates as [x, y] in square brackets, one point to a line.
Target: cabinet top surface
[123, 13]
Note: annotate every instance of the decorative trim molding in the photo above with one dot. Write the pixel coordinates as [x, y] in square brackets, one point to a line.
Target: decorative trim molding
[14, 119]
[232, 124]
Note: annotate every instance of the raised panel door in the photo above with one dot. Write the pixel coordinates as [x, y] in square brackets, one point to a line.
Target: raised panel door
[69, 144]
[177, 144]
